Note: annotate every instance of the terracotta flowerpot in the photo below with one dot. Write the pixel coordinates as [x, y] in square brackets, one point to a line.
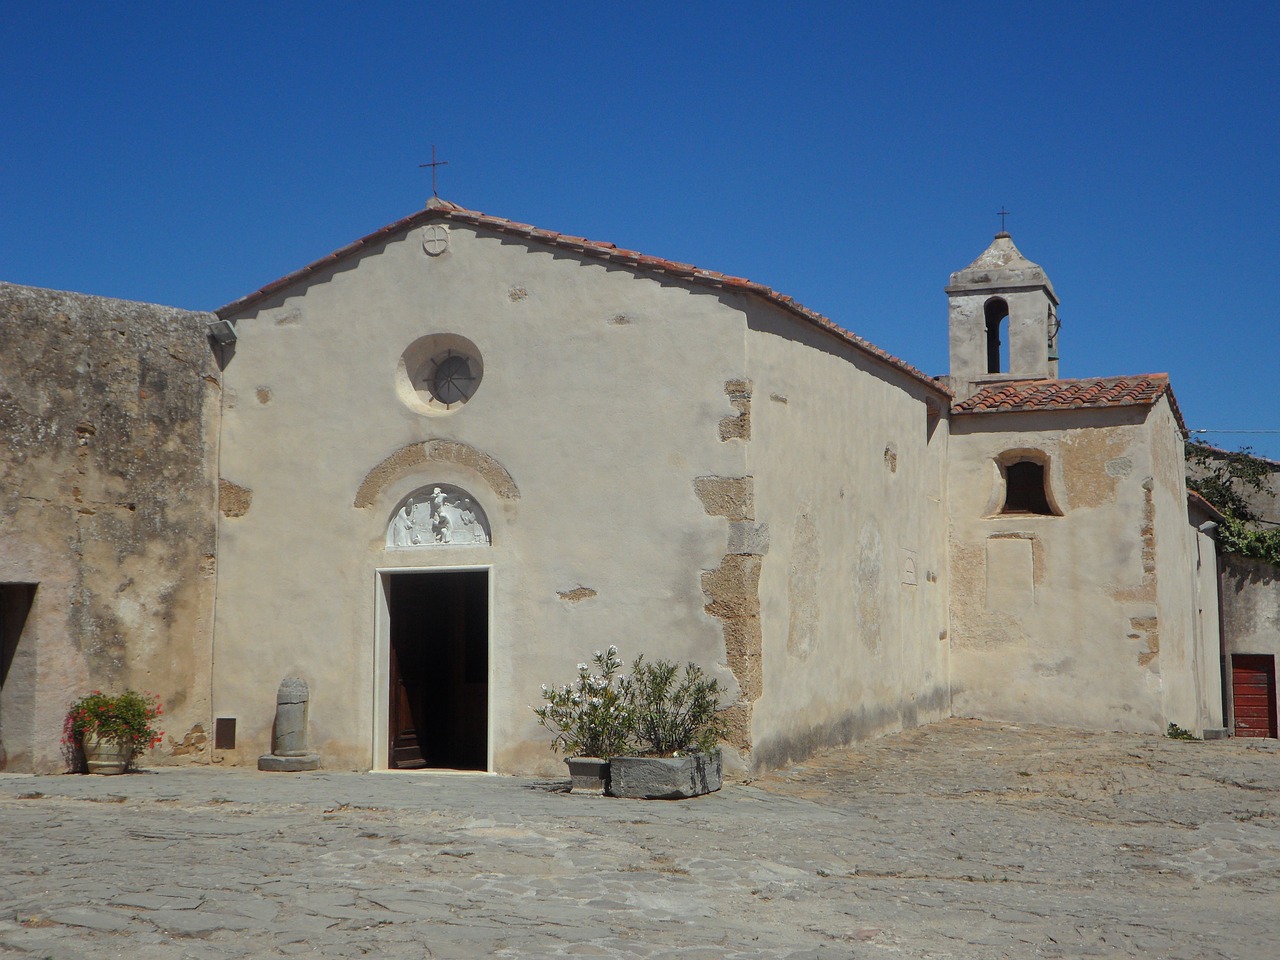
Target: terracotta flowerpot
[106, 756]
[589, 775]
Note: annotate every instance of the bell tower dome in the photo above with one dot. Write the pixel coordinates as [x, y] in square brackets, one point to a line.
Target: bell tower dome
[1003, 317]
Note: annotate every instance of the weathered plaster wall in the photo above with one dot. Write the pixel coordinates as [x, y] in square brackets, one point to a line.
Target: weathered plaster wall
[1251, 605]
[1188, 672]
[1024, 335]
[602, 400]
[1265, 502]
[848, 475]
[1059, 619]
[1214, 700]
[109, 410]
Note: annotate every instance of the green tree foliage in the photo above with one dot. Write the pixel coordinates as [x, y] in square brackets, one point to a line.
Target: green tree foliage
[1230, 480]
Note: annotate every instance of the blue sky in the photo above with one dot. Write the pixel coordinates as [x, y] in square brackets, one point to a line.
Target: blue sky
[850, 155]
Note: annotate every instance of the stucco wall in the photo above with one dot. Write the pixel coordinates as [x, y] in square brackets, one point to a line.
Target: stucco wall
[849, 478]
[1023, 335]
[1264, 502]
[1251, 605]
[109, 413]
[1188, 671]
[602, 398]
[1214, 699]
[1057, 619]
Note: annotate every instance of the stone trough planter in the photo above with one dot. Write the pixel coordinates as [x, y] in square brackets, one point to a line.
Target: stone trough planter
[665, 778]
[589, 775]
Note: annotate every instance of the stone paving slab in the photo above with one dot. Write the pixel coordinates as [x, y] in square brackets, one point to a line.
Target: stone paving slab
[956, 840]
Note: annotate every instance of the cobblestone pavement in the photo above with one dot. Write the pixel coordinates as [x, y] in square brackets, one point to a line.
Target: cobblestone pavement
[956, 840]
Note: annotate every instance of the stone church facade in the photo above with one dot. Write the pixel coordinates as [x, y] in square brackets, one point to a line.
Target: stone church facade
[444, 464]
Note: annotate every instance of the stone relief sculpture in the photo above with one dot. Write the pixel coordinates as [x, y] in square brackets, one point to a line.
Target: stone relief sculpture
[439, 515]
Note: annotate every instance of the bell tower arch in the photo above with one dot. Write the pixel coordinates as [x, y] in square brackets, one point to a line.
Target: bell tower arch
[1003, 320]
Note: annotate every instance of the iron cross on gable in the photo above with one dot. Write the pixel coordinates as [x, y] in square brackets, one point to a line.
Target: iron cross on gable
[1002, 214]
[433, 165]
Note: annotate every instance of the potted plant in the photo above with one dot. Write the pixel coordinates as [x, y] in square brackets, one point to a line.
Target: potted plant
[675, 717]
[590, 720]
[112, 731]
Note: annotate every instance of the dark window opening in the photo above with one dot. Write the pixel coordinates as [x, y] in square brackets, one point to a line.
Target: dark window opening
[996, 311]
[224, 733]
[1024, 489]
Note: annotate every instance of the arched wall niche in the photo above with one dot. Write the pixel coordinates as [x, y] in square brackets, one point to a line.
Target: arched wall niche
[438, 515]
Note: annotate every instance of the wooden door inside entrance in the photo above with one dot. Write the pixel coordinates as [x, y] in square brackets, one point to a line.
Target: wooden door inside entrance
[439, 650]
[1253, 691]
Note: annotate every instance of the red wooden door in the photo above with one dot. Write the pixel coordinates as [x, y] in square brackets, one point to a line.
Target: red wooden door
[1253, 689]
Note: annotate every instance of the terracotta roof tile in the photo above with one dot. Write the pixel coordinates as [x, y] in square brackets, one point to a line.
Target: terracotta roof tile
[444, 210]
[1092, 393]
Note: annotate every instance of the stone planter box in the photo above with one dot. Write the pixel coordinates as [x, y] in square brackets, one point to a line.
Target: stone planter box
[665, 778]
[589, 775]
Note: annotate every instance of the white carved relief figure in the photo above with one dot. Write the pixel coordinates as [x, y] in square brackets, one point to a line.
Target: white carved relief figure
[401, 528]
[446, 515]
[440, 523]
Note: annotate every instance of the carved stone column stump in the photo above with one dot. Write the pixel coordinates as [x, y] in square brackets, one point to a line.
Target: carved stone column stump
[289, 752]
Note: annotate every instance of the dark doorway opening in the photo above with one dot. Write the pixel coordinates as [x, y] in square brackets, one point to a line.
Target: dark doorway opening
[17, 677]
[439, 709]
[1253, 694]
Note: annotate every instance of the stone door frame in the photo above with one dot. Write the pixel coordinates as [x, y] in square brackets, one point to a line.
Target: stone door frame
[382, 663]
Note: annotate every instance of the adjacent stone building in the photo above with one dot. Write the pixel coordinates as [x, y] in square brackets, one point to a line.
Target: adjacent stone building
[1079, 590]
[109, 418]
[1251, 615]
[442, 465]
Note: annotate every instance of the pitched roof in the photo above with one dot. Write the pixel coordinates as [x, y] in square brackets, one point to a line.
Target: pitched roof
[1001, 265]
[1092, 393]
[438, 209]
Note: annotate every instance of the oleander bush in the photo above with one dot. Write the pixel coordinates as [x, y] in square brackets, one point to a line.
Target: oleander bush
[656, 710]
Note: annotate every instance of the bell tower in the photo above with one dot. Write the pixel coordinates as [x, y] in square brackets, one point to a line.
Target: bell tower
[1003, 320]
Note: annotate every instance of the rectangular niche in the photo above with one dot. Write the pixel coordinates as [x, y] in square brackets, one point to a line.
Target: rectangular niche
[1010, 575]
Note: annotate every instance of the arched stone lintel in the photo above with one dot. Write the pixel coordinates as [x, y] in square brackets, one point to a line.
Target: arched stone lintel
[409, 457]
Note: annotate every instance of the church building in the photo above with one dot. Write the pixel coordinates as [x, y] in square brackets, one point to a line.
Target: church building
[441, 466]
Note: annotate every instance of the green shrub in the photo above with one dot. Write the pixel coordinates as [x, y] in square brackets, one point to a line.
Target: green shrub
[673, 713]
[129, 719]
[589, 717]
